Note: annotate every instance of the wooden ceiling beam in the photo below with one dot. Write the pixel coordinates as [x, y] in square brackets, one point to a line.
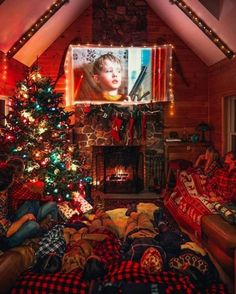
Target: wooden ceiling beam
[35, 27]
[204, 27]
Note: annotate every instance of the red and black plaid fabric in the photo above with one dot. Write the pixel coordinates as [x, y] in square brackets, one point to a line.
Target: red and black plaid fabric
[17, 194]
[168, 281]
[33, 283]
[224, 184]
[131, 271]
[118, 271]
[109, 250]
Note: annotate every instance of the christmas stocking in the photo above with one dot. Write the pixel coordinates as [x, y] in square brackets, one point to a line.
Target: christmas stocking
[131, 129]
[143, 125]
[116, 125]
[138, 120]
[106, 115]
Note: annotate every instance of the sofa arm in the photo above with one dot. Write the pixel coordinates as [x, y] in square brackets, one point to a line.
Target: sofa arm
[13, 263]
[219, 237]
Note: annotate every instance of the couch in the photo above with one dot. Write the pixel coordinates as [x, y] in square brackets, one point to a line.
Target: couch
[12, 264]
[199, 218]
[17, 277]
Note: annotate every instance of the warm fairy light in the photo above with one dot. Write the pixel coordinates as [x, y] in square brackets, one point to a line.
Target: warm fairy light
[36, 76]
[36, 26]
[4, 67]
[204, 27]
[171, 108]
[67, 86]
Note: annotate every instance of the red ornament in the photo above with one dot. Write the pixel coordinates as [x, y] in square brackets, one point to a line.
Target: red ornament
[87, 109]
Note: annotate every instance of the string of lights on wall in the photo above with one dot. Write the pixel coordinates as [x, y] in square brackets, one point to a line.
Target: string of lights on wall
[35, 27]
[4, 67]
[204, 27]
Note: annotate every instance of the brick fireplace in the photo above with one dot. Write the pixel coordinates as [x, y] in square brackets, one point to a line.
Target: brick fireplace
[124, 166]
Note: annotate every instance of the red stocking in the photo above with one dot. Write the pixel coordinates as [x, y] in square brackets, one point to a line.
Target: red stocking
[143, 125]
[131, 128]
[116, 125]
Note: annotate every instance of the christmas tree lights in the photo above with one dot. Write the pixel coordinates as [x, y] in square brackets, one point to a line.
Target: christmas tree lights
[38, 130]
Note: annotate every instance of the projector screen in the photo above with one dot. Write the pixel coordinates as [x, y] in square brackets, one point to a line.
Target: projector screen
[123, 75]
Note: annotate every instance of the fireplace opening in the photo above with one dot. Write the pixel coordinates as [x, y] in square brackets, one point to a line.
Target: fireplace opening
[119, 169]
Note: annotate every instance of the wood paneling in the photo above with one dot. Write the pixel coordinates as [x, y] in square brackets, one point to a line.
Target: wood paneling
[15, 72]
[191, 101]
[52, 60]
[222, 83]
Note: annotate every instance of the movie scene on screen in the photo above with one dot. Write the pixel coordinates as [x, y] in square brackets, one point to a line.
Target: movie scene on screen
[122, 75]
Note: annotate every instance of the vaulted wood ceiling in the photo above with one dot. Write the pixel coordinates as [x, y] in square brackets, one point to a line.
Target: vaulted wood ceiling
[18, 16]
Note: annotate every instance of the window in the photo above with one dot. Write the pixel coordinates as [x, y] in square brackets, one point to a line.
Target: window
[3, 109]
[230, 123]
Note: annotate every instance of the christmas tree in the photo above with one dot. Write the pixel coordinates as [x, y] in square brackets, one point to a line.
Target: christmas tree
[38, 129]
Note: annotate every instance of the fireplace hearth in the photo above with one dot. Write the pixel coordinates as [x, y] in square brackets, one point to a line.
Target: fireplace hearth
[119, 169]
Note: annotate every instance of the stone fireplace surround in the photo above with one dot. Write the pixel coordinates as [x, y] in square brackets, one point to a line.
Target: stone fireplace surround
[92, 131]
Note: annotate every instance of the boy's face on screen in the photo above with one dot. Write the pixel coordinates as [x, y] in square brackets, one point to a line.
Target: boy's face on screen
[109, 78]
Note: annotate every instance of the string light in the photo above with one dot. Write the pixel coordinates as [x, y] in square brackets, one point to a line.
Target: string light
[204, 27]
[35, 27]
[4, 67]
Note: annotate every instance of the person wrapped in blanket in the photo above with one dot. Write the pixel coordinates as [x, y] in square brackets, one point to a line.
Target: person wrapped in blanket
[208, 163]
[23, 224]
[70, 246]
[89, 237]
[222, 186]
[157, 248]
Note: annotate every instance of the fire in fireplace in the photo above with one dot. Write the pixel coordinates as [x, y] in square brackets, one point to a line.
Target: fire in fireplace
[119, 169]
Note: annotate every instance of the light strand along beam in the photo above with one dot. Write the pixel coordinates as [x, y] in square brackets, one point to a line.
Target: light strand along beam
[35, 27]
[204, 27]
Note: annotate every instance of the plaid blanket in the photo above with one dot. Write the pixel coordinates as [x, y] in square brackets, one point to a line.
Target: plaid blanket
[119, 272]
[33, 283]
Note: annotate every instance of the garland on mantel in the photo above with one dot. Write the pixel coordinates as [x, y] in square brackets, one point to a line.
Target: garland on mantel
[119, 120]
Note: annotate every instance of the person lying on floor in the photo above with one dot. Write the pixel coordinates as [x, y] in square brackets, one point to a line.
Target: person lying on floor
[65, 248]
[71, 246]
[152, 244]
[158, 248]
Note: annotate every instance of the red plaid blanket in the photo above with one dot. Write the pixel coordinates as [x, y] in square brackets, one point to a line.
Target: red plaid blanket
[118, 271]
[32, 283]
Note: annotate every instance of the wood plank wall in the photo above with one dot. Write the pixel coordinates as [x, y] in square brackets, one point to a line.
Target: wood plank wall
[190, 81]
[80, 32]
[222, 83]
[15, 73]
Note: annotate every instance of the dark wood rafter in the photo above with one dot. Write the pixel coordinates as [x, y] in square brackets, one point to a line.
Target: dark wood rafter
[204, 27]
[35, 27]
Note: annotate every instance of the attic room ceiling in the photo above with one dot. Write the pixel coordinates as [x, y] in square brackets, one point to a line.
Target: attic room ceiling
[17, 16]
